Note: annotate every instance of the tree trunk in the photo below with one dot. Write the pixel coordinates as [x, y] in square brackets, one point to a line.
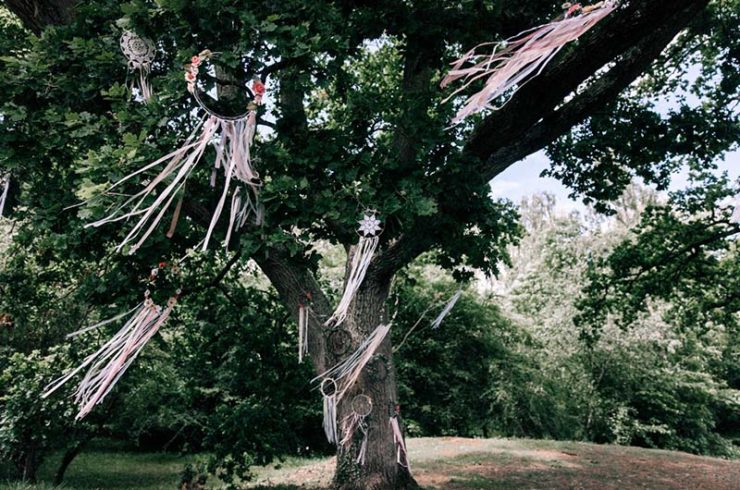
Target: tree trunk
[36, 14]
[329, 346]
[28, 464]
[67, 459]
[380, 469]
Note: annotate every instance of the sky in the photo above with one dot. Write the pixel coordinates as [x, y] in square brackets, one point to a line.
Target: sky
[523, 179]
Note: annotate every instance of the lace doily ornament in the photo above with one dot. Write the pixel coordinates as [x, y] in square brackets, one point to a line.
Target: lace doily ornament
[140, 53]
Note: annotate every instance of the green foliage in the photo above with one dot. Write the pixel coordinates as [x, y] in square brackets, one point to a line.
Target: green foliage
[446, 374]
[654, 360]
[31, 426]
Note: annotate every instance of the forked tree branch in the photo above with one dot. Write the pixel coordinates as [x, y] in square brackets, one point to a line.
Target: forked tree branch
[633, 36]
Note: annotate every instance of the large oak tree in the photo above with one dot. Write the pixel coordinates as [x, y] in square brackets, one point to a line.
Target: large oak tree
[356, 121]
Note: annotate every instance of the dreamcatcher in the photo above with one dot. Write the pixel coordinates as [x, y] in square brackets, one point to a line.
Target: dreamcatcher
[328, 390]
[362, 406]
[369, 231]
[446, 310]
[518, 59]
[4, 188]
[233, 137]
[341, 377]
[106, 365]
[402, 455]
[140, 53]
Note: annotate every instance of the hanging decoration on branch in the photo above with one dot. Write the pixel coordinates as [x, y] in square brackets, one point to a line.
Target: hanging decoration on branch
[734, 218]
[303, 308]
[106, 365]
[362, 406]
[445, 311]
[140, 53]
[233, 136]
[402, 455]
[515, 61]
[369, 231]
[344, 375]
[4, 188]
[328, 390]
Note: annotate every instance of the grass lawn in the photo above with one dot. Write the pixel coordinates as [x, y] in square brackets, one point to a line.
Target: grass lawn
[439, 463]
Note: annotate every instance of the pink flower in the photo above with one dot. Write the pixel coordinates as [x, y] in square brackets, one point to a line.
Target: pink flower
[258, 87]
[190, 76]
[195, 60]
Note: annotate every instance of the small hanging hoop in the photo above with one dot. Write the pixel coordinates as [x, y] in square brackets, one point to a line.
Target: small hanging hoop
[370, 226]
[362, 405]
[191, 77]
[340, 342]
[330, 385]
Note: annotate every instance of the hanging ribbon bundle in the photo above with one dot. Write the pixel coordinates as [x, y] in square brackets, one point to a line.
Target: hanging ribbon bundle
[448, 307]
[402, 455]
[734, 218]
[345, 374]
[106, 365]
[233, 136]
[362, 406]
[140, 53]
[369, 231]
[518, 59]
[4, 188]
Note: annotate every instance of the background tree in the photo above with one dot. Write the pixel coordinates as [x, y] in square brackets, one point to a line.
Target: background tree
[358, 122]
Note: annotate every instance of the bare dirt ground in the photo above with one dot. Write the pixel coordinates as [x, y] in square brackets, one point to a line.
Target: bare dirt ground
[457, 463]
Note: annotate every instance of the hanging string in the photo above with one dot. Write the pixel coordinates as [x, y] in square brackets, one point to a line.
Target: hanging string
[446, 310]
[302, 332]
[402, 455]
[5, 183]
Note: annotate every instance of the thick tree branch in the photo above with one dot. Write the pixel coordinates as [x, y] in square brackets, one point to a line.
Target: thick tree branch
[635, 36]
[36, 14]
[631, 26]
[602, 91]
[296, 285]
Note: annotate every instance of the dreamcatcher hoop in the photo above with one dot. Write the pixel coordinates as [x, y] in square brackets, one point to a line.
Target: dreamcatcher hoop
[192, 71]
[322, 387]
[139, 51]
[370, 225]
[362, 405]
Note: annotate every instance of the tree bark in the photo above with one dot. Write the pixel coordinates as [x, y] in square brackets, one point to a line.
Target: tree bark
[36, 14]
[67, 459]
[377, 381]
